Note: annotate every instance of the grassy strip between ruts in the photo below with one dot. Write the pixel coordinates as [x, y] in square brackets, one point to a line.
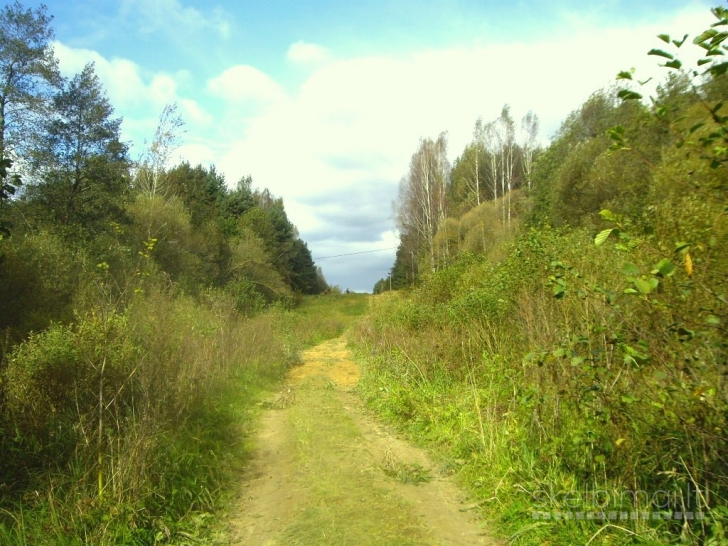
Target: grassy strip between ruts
[342, 497]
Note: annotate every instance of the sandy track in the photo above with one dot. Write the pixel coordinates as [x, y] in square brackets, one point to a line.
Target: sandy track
[318, 473]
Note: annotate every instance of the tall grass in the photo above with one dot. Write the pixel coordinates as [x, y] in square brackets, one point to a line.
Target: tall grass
[539, 380]
[128, 426]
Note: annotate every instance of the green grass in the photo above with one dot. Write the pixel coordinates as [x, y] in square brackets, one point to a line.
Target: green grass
[527, 397]
[319, 318]
[345, 501]
[178, 468]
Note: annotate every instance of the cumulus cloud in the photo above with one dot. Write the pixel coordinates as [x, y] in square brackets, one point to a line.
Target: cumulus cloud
[137, 96]
[306, 53]
[243, 83]
[336, 146]
[360, 119]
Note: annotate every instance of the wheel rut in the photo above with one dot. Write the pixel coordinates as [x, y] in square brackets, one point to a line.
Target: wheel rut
[325, 471]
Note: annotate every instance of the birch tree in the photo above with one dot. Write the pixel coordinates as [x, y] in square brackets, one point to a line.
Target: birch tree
[487, 136]
[421, 205]
[150, 179]
[529, 144]
[479, 162]
[507, 139]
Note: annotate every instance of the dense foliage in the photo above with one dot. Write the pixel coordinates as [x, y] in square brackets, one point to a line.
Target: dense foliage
[581, 347]
[131, 300]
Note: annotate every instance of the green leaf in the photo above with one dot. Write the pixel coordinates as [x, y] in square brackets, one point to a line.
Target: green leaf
[625, 75]
[632, 355]
[559, 291]
[718, 38]
[644, 286]
[660, 53]
[700, 40]
[718, 69]
[681, 42]
[701, 62]
[681, 247]
[664, 37]
[664, 268]
[626, 94]
[676, 64]
[600, 239]
[630, 269]
[712, 320]
[696, 127]
[608, 214]
[630, 291]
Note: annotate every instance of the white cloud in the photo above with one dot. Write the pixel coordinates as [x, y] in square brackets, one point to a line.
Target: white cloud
[137, 97]
[355, 122]
[243, 83]
[170, 16]
[305, 53]
[121, 77]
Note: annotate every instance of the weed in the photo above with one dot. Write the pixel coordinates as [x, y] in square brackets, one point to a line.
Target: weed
[412, 473]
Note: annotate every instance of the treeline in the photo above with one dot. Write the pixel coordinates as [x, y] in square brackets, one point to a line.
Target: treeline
[434, 195]
[131, 294]
[568, 336]
[85, 204]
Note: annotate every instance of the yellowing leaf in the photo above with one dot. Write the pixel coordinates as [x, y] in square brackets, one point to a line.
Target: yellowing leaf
[688, 264]
[602, 237]
[619, 441]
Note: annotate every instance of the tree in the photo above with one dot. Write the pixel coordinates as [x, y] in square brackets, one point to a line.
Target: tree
[150, 178]
[8, 184]
[489, 138]
[234, 204]
[81, 162]
[421, 204]
[507, 138]
[200, 189]
[304, 274]
[28, 73]
[529, 144]
[467, 179]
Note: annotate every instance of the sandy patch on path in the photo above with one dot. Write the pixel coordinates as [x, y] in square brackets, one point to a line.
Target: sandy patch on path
[277, 490]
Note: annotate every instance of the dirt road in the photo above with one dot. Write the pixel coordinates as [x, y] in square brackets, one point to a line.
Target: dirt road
[325, 472]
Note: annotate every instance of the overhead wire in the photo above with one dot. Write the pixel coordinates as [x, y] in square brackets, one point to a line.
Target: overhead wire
[353, 253]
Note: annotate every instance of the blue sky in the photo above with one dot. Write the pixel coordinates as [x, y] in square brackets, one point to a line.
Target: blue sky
[323, 102]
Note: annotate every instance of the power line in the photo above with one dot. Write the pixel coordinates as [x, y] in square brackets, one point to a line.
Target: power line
[353, 253]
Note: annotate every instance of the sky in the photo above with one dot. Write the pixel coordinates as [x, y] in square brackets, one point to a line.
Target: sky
[324, 102]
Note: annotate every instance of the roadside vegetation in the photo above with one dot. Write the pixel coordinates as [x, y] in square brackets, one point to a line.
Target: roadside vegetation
[558, 332]
[144, 308]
